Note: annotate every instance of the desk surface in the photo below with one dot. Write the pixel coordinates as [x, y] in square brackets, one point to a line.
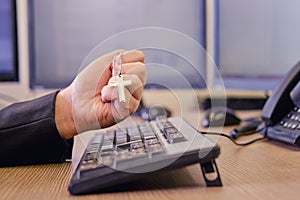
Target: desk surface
[263, 170]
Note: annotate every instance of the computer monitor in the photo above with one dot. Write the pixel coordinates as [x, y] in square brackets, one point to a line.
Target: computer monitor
[257, 42]
[8, 42]
[63, 33]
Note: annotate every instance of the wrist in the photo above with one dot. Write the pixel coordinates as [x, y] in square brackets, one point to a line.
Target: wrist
[64, 114]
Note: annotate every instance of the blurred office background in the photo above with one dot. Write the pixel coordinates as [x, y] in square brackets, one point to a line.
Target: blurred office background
[252, 42]
[64, 32]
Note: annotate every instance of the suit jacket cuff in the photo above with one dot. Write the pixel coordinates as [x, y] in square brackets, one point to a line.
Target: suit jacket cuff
[28, 134]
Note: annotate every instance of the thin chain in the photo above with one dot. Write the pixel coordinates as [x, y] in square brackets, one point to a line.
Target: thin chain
[120, 72]
[114, 66]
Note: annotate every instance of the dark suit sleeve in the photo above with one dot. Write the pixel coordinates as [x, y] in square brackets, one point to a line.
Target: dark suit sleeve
[28, 134]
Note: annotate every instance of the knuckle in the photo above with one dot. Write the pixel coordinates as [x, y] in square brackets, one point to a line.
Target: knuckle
[139, 53]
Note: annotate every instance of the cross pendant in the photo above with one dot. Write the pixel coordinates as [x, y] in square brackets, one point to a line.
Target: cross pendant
[120, 83]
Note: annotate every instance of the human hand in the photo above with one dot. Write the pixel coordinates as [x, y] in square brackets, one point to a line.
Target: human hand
[90, 103]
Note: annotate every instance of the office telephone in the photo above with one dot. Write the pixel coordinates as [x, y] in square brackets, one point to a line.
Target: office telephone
[281, 114]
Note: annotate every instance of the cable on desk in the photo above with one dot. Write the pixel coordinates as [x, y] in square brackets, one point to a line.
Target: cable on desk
[237, 143]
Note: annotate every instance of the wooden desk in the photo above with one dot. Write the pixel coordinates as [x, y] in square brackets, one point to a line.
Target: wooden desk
[264, 170]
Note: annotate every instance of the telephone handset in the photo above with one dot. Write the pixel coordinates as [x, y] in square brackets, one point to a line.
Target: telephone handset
[280, 114]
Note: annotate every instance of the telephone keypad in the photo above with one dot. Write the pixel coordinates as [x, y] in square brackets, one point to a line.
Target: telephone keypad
[292, 119]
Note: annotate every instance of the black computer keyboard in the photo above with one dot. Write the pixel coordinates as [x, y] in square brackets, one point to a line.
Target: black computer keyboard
[116, 156]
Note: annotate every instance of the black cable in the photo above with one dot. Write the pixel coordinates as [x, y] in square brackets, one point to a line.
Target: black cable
[236, 143]
[244, 130]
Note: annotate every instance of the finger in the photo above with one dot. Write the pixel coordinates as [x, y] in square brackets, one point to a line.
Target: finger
[97, 73]
[108, 58]
[133, 102]
[131, 56]
[137, 86]
[124, 109]
[137, 68]
[109, 94]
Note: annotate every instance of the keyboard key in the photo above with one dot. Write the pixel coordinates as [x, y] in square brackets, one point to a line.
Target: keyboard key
[153, 147]
[110, 135]
[134, 134]
[121, 136]
[123, 147]
[146, 131]
[153, 141]
[173, 135]
[149, 135]
[107, 144]
[137, 149]
[90, 156]
[129, 155]
[105, 158]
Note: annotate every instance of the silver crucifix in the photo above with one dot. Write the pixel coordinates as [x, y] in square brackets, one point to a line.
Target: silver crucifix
[120, 82]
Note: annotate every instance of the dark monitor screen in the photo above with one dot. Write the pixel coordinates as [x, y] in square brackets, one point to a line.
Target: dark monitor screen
[63, 33]
[8, 41]
[258, 41]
